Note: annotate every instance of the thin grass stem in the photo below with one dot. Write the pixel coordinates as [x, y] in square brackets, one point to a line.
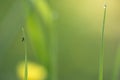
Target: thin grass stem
[25, 48]
[101, 56]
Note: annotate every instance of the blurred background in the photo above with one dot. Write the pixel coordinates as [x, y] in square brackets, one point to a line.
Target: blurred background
[77, 35]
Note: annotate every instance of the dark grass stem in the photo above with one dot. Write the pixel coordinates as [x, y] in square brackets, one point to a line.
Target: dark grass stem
[101, 56]
[25, 48]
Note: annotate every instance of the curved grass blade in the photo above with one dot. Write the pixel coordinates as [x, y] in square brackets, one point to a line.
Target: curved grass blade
[44, 10]
[40, 22]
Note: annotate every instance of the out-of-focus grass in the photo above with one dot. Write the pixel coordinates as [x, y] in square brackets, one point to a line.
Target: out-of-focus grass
[5, 6]
[11, 19]
[40, 31]
[116, 65]
[79, 24]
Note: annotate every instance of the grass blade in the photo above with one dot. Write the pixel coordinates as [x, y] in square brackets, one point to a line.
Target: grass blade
[25, 48]
[101, 56]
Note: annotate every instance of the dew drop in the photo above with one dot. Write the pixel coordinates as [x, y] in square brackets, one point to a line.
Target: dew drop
[105, 5]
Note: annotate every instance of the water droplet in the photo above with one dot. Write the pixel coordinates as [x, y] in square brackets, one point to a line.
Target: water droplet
[105, 5]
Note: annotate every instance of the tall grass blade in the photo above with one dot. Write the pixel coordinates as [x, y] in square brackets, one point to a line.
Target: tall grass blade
[25, 48]
[101, 56]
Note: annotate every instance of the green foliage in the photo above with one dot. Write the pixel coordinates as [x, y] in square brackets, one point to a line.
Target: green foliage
[40, 30]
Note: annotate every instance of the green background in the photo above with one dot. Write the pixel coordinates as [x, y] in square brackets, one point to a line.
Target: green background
[78, 26]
